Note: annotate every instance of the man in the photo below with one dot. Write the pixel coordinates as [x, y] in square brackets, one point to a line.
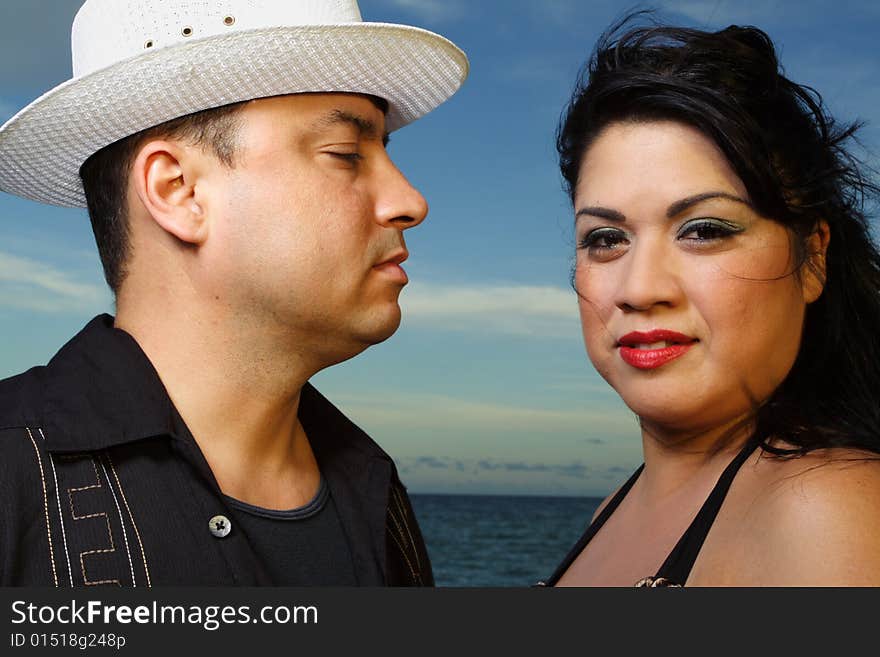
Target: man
[250, 224]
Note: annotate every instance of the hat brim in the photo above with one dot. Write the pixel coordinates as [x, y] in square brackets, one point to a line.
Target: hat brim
[43, 146]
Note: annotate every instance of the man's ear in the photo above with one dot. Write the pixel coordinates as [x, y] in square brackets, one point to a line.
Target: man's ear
[164, 175]
[814, 270]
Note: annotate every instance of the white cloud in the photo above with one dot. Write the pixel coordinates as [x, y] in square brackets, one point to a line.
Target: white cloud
[429, 411]
[430, 10]
[727, 12]
[539, 70]
[443, 474]
[527, 310]
[32, 285]
[562, 13]
[713, 11]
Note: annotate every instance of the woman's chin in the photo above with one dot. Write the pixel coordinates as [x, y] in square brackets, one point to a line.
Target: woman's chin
[664, 410]
[684, 420]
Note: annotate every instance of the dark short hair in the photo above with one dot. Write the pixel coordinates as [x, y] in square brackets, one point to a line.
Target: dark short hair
[793, 159]
[105, 177]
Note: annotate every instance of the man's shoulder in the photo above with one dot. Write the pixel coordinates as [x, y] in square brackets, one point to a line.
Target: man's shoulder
[20, 406]
[22, 447]
[81, 382]
[21, 398]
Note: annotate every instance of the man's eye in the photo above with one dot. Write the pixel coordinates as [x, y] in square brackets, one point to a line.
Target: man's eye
[708, 230]
[352, 158]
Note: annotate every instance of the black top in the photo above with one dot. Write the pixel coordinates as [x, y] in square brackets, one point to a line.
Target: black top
[305, 546]
[677, 566]
[103, 483]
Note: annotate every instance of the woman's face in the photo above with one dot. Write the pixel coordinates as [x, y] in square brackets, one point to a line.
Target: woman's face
[689, 300]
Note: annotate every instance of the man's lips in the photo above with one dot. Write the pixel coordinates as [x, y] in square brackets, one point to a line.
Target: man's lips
[648, 350]
[390, 266]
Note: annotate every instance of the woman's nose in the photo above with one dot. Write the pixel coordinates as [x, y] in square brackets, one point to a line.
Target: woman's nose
[648, 278]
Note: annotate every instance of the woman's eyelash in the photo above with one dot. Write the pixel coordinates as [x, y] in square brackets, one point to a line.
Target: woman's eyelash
[708, 229]
[697, 230]
[602, 238]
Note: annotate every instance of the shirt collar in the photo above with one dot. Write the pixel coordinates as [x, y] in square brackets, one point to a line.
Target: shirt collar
[101, 390]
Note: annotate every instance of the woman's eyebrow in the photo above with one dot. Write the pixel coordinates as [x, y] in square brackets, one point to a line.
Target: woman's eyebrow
[602, 213]
[680, 206]
[676, 208]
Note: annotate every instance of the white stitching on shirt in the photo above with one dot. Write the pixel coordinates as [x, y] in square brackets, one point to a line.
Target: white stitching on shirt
[121, 524]
[45, 505]
[112, 548]
[399, 499]
[416, 577]
[133, 523]
[60, 515]
[406, 558]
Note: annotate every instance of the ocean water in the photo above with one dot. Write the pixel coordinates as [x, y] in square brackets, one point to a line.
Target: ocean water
[495, 540]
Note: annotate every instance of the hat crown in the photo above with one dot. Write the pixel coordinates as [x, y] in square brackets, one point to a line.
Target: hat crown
[108, 31]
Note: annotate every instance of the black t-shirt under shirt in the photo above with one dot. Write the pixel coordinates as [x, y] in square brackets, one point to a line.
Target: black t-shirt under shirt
[299, 547]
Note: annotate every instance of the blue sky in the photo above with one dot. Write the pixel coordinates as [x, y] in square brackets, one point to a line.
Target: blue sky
[486, 387]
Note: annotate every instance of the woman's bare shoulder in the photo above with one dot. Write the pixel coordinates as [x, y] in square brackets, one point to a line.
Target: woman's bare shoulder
[815, 520]
[605, 502]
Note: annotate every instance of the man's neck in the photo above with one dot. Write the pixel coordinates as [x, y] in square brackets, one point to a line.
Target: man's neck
[239, 395]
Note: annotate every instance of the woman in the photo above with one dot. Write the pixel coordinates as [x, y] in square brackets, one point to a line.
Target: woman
[730, 293]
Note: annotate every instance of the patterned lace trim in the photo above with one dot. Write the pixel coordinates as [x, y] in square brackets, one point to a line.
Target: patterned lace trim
[656, 583]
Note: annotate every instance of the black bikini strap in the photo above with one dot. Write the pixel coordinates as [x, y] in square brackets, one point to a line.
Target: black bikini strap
[678, 564]
[594, 527]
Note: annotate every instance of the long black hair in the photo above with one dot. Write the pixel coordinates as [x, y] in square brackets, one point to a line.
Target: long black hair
[793, 159]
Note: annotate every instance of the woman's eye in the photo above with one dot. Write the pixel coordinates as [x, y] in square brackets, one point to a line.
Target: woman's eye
[708, 230]
[603, 240]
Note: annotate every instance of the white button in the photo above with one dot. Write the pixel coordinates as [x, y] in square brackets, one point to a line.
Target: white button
[220, 526]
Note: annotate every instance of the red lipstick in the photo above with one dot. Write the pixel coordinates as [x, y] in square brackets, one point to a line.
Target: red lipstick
[652, 349]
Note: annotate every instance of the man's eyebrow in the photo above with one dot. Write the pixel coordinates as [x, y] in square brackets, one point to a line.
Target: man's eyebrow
[680, 206]
[676, 208]
[365, 126]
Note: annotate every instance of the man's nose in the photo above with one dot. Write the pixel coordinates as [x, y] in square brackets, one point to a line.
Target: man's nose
[649, 277]
[398, 203]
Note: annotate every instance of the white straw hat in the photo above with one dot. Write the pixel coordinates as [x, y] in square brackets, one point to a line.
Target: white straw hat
[139, 63]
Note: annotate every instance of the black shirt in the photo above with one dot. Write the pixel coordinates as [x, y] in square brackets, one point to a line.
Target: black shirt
[101, 482]
[305, 546]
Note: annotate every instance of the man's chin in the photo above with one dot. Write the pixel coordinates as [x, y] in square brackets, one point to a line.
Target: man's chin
[383, 328]
[359, 342]
[372, 327]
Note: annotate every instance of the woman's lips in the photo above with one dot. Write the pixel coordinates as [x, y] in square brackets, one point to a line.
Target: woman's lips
[652, 349]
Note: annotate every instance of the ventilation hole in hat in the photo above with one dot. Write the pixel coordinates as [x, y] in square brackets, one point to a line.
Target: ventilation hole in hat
[229, 20]
[148, 44]
[187, 31]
